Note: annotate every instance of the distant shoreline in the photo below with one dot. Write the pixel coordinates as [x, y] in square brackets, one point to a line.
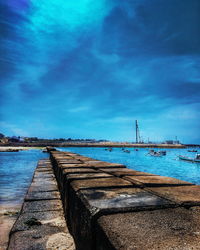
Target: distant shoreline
[26, 146]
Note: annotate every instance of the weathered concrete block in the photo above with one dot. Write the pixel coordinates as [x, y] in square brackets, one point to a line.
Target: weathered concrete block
[49, 175]
[123, 199]
[31, 196]
[40, 219]
[41, 206]
[66, 171]
[47, 170]
[81, 213]
[102, 164]
[83, 158]
[69, 161]
[50, 232]
[174, 228]
[74, 176]
[39, 187]
[98, 183]
[86, 205]
[155, 180]
[184, 195]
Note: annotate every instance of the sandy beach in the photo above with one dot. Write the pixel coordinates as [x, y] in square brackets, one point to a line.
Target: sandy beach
[10, 148]
[8, 216]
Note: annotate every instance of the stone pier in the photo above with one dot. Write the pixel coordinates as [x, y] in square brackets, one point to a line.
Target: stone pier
[41, 223]
[110, 207]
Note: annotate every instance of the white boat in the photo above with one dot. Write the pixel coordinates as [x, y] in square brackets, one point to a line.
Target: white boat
[185, 158]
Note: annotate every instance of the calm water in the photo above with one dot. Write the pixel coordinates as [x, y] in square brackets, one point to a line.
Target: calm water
[16, 168]
[16, 171]
[168, 165]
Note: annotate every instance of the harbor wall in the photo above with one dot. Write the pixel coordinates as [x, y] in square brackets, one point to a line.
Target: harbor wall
[105, 206]
[108, 206]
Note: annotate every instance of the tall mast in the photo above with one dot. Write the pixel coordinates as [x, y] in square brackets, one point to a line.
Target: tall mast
[136, 131]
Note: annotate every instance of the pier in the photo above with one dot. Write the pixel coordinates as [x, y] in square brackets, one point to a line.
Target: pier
[105, 206]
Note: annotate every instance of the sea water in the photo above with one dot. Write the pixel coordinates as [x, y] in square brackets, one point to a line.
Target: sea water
[16, 171]
[140, 160]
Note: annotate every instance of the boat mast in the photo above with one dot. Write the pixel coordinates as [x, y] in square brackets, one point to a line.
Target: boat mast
[136, 131]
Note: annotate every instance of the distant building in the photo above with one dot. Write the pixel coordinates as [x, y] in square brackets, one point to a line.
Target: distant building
[172, 142]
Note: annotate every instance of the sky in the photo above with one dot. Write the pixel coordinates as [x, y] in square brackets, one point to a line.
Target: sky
[89, 69]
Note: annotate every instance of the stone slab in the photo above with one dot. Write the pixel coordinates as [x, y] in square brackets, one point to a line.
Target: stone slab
[70, 161]
[44, 175]
[126, 172]
[155, 180]
[184, 195]
[47, 170]
[86, 176]
[100, 182]
[51, 218]
[174, 228]
[101, 164]
[51, 234]
[83, 158]
[37, 187]
[67, 171]
[83, 165]
[54, 195]
[41, 206]
[123, 199]
[85, 206]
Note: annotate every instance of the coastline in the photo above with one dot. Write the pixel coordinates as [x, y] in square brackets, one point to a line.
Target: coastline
[13, 148]
[28, 146]
[8, 216]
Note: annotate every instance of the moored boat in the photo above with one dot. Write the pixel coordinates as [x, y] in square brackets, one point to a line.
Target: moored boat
[185, 158]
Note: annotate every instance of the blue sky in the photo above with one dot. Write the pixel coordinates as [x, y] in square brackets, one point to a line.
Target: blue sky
[89, 69]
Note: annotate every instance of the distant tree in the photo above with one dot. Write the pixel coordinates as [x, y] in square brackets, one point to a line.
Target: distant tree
[2, 135]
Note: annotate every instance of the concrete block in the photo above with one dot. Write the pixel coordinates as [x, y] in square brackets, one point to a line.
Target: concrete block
[44, 175]
[51, 233]
[123, 172]
[173, 228]
[100, 182]
[101, 164]
[41, 206]
[85, 206]
[184, 195]
[31, 196]
[50, 218]
[155, 180]
[39, 187]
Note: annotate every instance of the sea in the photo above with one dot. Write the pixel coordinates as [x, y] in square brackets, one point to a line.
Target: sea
[17, 168]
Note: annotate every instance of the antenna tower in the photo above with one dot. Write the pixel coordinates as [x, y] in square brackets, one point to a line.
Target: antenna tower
[137, 131]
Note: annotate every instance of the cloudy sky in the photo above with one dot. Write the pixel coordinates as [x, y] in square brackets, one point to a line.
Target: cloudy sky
[89, 69]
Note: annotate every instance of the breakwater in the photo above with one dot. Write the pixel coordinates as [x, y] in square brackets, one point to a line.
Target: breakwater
[108, 206]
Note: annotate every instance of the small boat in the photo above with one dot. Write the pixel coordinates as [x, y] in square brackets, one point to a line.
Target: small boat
[185, 158]
[154, 153]
[192, 150]
[162, 152]
[127, 151]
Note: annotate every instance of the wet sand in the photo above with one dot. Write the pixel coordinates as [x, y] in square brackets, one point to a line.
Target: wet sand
[8, 216]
